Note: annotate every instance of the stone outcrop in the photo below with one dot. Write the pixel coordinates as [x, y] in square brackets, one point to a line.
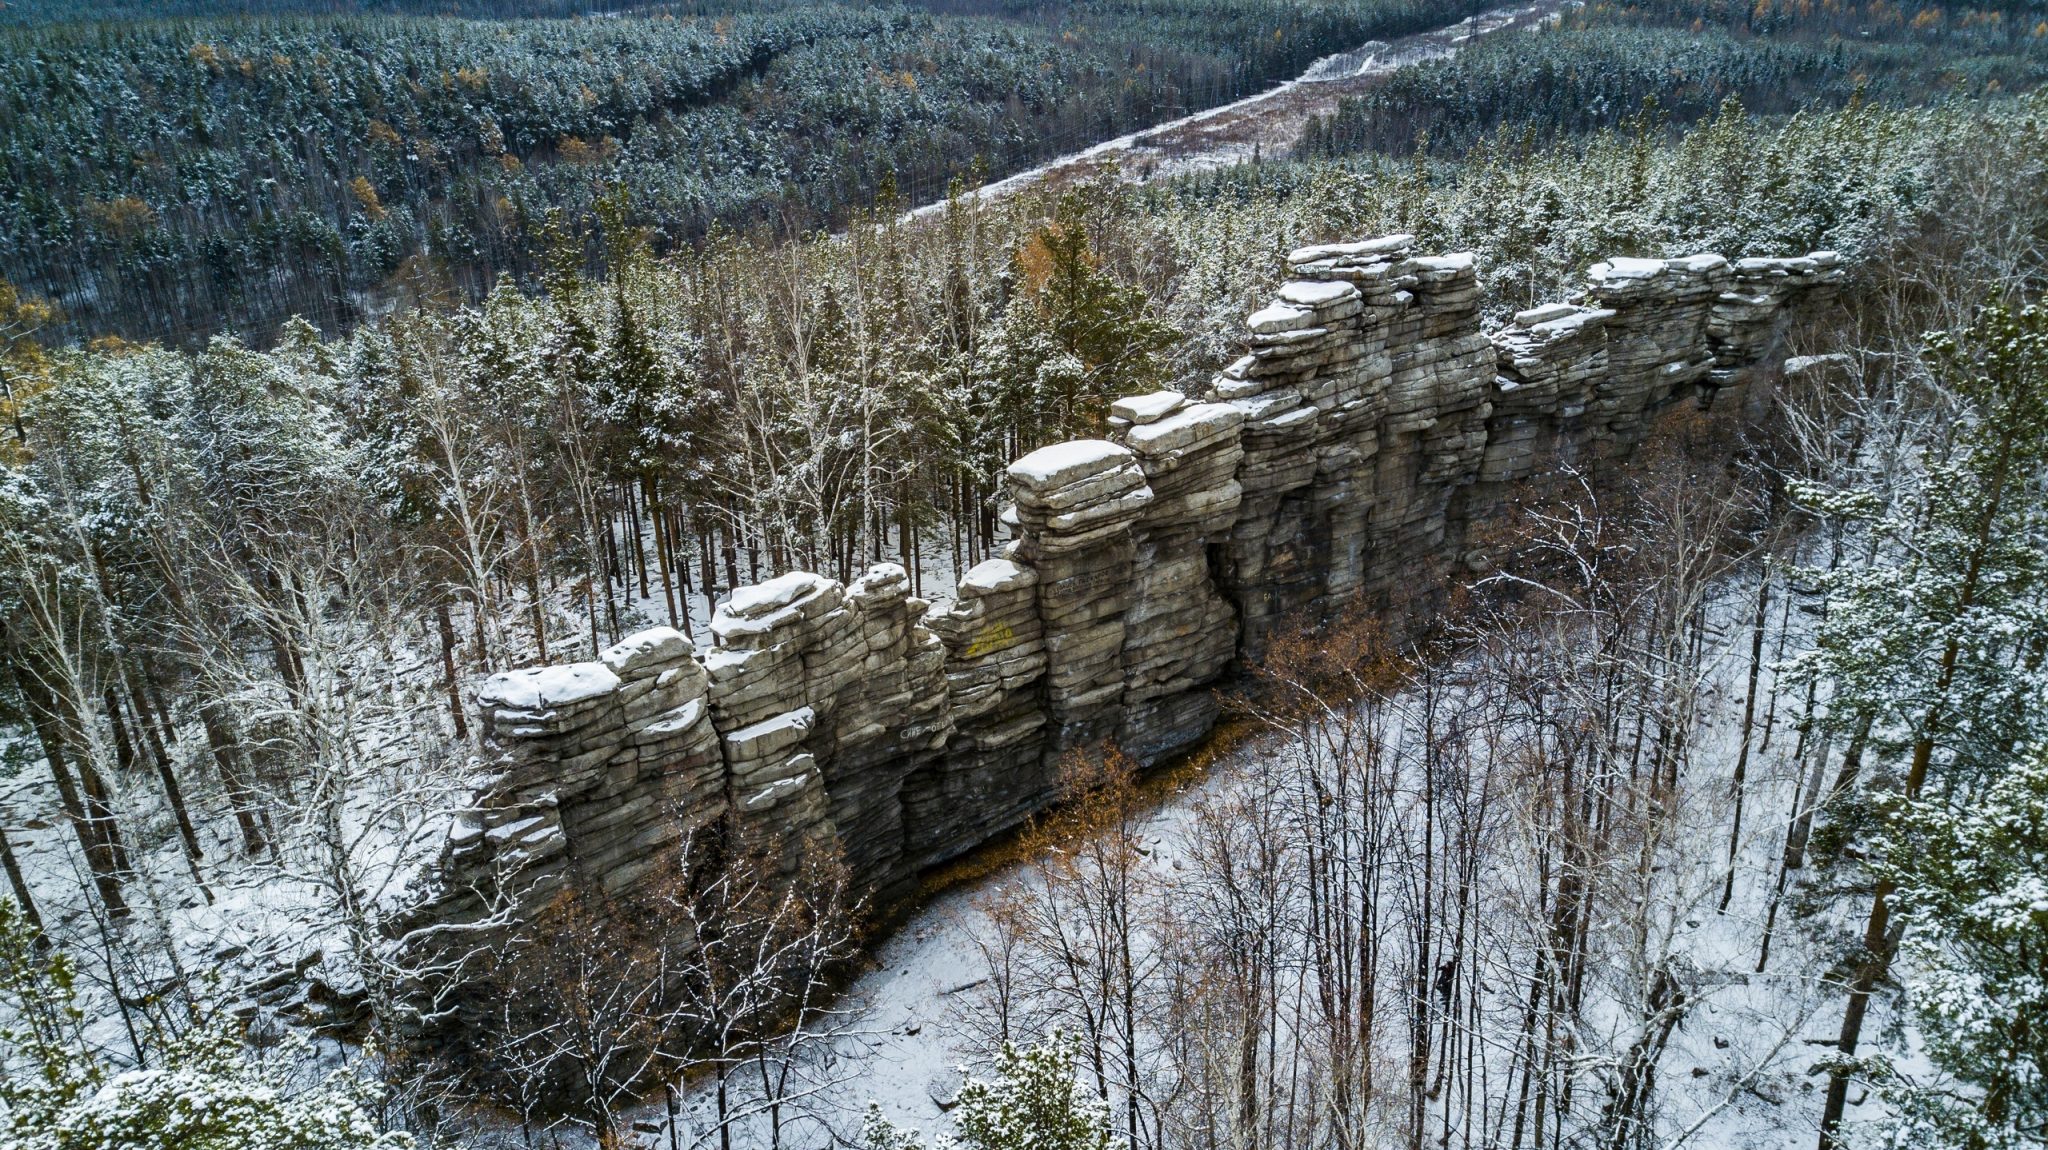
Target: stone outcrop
[1180, 631]
[1345, 459]
[598, 770]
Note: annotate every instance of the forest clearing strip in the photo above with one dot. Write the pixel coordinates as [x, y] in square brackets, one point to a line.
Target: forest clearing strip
[1265, 121]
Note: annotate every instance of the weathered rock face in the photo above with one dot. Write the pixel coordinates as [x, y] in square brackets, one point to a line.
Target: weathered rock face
[599, 769]
[1180, 633]
[992, 773]
[1343, 460]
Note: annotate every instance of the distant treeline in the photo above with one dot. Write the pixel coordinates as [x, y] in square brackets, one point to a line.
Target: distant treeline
[1679, 60]
[34, 12]
[171, 179]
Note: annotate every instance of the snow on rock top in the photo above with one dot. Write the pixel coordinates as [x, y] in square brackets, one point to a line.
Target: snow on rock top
[1317, 293]
[1384, 245]
[1704, 262]
[1063, 463]
[788, 726]
[655, 645]
[1278, 317]
[1566, 325]
[771, 595]
[1625, 268]
[538, 688]
[724, 663]
[995, 575]
[1544, 314]
[1454, 262]
[1190, 427]
[881, 577]
[676, 719]
[1147, 408]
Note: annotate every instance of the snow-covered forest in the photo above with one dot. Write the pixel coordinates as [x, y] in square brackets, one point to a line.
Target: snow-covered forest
[180, 178]
[350, 359]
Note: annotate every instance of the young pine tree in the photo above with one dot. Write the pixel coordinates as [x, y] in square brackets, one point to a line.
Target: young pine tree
[1034, 1100]
[199, 1092]
[1971, 883]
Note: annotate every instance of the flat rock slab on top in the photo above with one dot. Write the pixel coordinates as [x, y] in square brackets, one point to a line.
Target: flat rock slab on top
[1317, 293]
[1148, 408]
[995, 575]
[759, 599]
[538, 688]
[1065, 463]
[643, 648]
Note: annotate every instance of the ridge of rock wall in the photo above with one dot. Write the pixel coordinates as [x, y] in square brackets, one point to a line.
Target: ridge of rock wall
[1341, 460]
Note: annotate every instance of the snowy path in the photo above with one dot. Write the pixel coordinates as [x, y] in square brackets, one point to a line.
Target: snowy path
[1267, 121]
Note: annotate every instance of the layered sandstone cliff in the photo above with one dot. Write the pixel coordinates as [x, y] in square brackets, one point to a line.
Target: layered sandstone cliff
[1344, 459]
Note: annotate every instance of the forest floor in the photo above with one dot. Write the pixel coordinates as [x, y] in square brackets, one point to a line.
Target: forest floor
[1737, 1074]
[1269, 123]
[1739, 1070]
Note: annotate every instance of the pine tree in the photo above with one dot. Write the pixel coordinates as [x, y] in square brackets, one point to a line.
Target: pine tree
[1939, 645]
[1079, 337]
[1972, 896]
[1033, 1101]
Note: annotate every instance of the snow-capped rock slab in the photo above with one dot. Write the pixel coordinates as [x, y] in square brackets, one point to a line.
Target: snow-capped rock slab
[1065, 463]
[881, 579]
[1444, 265]
[656, 646]
[1277, 317]
[539, 688]
[771, 735]
[1188, 428]
[675, 721]
[1544, 314]
[1625, 269]
[1562, 326]
[759, 599]
[996, 575]
[1148, 408]
[1382, 246]
[1317, 293]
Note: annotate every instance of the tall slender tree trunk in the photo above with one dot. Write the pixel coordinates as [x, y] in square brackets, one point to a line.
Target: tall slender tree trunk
[706, 560]
[1739, 783]
[658, 515]
[19, 885]
[100, 858]
[450, 681]
[174, 795]
[250, 816]
[538, 610]
[124, 750]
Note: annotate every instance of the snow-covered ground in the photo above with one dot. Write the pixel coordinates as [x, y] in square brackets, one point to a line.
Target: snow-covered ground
[1738, 1072]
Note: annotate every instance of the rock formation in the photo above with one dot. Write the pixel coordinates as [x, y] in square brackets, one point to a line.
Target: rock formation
[1344, 459]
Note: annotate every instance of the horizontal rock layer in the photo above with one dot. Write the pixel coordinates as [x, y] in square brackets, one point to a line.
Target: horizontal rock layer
[1342, 460]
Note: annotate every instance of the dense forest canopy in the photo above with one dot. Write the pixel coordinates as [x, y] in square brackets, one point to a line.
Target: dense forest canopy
[1679, 61]
[172, 179]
